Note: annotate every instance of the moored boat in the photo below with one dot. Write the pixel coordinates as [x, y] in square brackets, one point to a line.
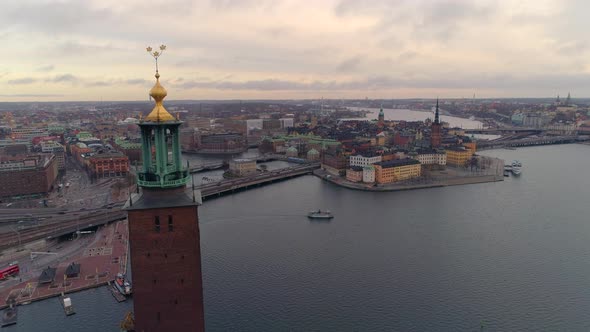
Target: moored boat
[122, 284]
[516, 167]
[319, 214]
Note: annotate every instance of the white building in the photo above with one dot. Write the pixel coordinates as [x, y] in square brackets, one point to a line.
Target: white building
[431, 158]
[287, 122]
[369, 174]
[360, 160]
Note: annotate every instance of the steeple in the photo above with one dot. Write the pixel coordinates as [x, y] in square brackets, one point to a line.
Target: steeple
[436, 119]
[160, 136]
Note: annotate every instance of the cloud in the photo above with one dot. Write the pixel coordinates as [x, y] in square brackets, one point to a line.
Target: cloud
[53, 16]
[64, 78]
[481, 81]
[24, 80]
[45, 68]
[350, 64]
[33, 95]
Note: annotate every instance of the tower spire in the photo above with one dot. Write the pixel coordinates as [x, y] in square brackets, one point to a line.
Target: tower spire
[436, 118]
[161, 152]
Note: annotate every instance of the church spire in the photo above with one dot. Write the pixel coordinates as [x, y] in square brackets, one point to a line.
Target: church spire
[436, 119]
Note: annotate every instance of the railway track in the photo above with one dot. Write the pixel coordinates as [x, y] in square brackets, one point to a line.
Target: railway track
[58, 227]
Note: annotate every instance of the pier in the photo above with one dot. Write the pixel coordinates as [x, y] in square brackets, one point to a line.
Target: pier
[99, 263]
[214, 189]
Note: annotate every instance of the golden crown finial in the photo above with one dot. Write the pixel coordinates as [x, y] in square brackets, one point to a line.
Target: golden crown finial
[159, 113]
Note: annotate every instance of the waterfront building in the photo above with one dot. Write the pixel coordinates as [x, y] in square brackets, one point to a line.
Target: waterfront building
[107, 164]
[292, 152]
[188, 139]
[369, 174]
[27, 174]
[397, 170]
[313, 155]
[242, 167]
[457, 155]
[517, 118]
[164, 238]
[435, 130]
[360, 160]
[334, 161]
[470, 144]
[354, 174]
[272, 145]
[431, 157]
[221, 143]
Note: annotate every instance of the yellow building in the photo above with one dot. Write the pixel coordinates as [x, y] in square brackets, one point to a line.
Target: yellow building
[396, 170]
[242, 167]
[471, 146]
[457, 156]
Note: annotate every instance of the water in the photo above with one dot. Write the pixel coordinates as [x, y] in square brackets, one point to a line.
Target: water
[409, 115]
[512, 256]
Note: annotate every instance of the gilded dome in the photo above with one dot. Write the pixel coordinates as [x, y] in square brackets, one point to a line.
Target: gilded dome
[159, 113]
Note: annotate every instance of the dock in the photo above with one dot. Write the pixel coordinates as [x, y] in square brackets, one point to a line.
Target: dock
[94, 267]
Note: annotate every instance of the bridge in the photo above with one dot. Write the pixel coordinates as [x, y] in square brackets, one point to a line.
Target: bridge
[210, 190]
[504, 130]
[209, 166]
[532, 141]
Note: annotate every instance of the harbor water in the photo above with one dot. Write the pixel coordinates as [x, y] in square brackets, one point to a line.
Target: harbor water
[503, 256]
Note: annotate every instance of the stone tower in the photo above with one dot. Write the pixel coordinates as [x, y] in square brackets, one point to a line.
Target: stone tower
[164, 238]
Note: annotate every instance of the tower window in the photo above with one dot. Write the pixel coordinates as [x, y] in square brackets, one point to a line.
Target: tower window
[170, 224]
[157, 224]
[182, 281]
[158, 316]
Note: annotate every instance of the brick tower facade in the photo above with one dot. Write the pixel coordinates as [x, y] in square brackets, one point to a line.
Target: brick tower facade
[164, 235]
[435, 130]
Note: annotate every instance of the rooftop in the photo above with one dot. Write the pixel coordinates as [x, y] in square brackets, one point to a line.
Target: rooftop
[398, 162]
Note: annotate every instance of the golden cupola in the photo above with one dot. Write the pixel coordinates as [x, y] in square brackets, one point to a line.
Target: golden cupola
[158, 92]
[159, 113]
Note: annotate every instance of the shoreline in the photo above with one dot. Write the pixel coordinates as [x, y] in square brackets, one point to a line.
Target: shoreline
[99, 262]
[457, 181]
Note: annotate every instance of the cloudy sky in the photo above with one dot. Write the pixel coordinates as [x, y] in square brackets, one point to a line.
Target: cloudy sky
[247, 49]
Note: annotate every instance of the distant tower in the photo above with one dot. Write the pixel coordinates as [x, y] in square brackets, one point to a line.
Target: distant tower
[164, 238]
[381, 121]
[568, 100]
[435, 130]
[314, 121]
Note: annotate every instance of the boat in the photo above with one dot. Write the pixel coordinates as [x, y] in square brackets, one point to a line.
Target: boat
[10, 314]
[319, 214]
[66, 302]
[516, 167]
[123, 285]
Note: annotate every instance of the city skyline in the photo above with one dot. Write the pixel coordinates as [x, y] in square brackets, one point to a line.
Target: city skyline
[71, 50]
